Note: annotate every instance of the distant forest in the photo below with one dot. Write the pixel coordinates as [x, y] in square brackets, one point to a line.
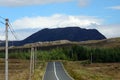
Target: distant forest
[73, 53]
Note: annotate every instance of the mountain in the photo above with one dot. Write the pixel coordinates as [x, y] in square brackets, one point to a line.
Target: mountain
[68, 33]
[1, 41]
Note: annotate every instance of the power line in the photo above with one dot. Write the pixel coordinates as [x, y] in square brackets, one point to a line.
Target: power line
[10, 27]
[2, 18]
[12, 31]
[2, 22]
[2, 33]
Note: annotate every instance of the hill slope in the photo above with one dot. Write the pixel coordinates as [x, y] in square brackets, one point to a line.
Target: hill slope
[69, 33]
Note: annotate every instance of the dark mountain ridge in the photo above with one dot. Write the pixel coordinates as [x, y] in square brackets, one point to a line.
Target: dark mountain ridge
[68, 33]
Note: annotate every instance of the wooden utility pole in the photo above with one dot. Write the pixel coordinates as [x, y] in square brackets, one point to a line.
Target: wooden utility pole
[33, 59]
[35, 56]
[91, 58]
[6, 50]
[32, 63]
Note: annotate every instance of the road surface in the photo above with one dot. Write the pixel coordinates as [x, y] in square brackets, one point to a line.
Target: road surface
[55, 71]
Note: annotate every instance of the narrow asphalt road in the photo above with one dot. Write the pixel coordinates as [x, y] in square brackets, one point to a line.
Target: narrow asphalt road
[55, 71]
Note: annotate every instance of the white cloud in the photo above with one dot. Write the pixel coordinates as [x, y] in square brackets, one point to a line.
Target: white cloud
[110, 31]
[22, 34]
[56, 20]
[2, 33]
[83, 3]
[114, 7]
[26, 26]
[14, 3]
[28, 2]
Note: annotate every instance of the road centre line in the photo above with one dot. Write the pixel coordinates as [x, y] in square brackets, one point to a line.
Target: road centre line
[55, 71]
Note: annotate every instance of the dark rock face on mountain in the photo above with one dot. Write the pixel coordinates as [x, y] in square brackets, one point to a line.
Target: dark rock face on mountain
[1, 41]
[68, 33]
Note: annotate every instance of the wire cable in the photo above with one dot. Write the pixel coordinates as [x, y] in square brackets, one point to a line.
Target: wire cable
[2, 33]
[2, 22]
[11, 28]
[2, 18]
[12, 31]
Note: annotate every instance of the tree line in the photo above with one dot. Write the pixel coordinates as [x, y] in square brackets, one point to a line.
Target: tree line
[74, 53]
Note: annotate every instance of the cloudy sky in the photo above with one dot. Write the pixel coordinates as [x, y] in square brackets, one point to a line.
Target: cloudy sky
[29, 16]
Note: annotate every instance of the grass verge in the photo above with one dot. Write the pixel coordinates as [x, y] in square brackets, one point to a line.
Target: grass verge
[95, 71]
[39, 71]
[19, 69]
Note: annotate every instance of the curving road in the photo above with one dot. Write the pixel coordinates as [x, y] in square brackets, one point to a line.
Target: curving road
[55, 71]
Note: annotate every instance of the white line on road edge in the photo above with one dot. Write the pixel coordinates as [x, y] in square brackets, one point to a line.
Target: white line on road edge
[55, 71]
[45, 72]
[66, 72]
